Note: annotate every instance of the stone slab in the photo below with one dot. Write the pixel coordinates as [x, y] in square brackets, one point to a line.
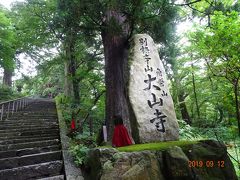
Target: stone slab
[150, 99]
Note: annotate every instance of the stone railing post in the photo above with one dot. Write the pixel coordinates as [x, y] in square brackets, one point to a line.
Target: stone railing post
[9, 107]
[2, 111]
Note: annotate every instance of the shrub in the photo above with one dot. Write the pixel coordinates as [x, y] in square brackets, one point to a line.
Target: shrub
[79, 152]
[188, 132]
[82, 144]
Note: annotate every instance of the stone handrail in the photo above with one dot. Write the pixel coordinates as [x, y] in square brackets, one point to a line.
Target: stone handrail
[9, 107]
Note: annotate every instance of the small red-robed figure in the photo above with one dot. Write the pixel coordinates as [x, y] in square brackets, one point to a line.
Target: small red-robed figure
[120, 134]
[73, 125]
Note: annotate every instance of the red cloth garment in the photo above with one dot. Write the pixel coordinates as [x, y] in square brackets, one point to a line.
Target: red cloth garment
[73, 126]
[120, 136]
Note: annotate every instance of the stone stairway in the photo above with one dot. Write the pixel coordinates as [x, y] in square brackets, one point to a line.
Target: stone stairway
[30, 145]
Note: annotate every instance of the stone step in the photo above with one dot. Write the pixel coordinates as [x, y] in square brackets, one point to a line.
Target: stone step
[28, 151]
[14, 162]
[30, 139]
[61, 177]
[44, 131]
[33, 118]
[40, 109]
[42, 170]
[35, 114]
[30, 132]
[10, 127]
[29, 110]
[30, 122]
[22, 124]
[28, 145]
[29, 119]
[28, 125]
[23, 129]
[30, 136]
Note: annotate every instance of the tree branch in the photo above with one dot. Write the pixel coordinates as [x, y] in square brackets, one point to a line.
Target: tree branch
[94, 103]
[186, 4]
[197, 10]
[210, 68]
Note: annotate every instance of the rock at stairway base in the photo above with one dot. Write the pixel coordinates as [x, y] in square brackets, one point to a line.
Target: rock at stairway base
[173, 163]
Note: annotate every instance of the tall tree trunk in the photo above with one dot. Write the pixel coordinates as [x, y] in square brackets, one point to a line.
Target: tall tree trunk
[195, 93]
[181, 98]
[183, 108]
[221, 114]
[174, 92]
[7, 77]
[75, 82]
[70, 68]
[235, 84]
[116, 54]
[218, 106]
[68, 89]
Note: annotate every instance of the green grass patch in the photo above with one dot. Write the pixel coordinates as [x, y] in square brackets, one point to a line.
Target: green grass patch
[152, 146]
[155, 146]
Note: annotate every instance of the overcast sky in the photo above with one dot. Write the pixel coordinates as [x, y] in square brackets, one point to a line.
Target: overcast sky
[7, 3]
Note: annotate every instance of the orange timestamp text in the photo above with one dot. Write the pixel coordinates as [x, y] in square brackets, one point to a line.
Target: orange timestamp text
[208, 164]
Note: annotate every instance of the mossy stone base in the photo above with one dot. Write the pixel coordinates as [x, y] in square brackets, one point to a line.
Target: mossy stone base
[166, 160]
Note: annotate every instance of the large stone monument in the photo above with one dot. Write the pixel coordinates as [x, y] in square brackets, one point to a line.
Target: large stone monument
[151, 103]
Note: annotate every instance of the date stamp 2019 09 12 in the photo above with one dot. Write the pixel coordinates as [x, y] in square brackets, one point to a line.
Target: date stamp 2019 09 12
[208, 164]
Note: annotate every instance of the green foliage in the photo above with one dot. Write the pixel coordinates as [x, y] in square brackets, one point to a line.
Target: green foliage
[205, 9]
[31, 19]
[234, 151]
[6, 93]
[64, 104]
[188, 132]
[226, 134]
[7, 42]
[79, 152]
[86, 139]
[218, 132]
[217, 47]
[219, 44]
[82, 144]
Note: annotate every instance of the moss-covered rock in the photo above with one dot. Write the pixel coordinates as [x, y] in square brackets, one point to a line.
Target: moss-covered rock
[213, 155]
[177, 164]
[136, 165]
[170, 160]
[98, 161]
